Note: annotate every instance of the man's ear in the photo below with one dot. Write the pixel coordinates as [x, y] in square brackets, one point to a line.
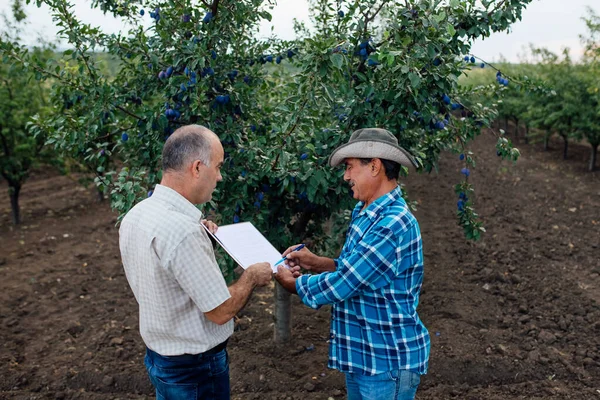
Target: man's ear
[196, 166]
[375, 166]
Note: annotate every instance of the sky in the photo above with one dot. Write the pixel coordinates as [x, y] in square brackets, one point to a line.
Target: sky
[553, 24]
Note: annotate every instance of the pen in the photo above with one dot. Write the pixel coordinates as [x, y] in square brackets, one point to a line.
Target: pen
[285, 258]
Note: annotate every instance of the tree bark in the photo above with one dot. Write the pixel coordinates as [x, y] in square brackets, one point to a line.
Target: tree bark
[566, 147]
[100, 194]
[283, 308]
[546, 140]
[592, 166]
[14, 191]
[516, 129]
[526, 133]
[506, 125]
[283, 314]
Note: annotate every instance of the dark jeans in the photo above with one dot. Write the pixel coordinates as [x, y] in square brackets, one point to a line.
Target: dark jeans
[190, 376]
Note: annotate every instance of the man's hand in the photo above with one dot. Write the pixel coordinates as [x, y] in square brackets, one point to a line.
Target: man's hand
[306, 259]
[261, 273]
[303, 258]
[286, 278]
[295, 271]
[212, 227]
[258, 274]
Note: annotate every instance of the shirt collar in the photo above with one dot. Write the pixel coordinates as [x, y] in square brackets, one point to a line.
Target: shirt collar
[375, 207]
[175, 199]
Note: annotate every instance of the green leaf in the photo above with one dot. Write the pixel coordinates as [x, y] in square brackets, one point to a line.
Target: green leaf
[450, 29]
[266, 15]
[415, 81]
[337, 60]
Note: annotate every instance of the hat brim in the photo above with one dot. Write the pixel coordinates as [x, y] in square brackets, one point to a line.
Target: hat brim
[371, 149]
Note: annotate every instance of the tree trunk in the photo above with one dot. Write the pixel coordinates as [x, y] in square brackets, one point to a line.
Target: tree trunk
[506, 125]
[99, 192]
[546, 140]
[526, 133]
[283, 314]
[516, 129]
[283, 308]
[566, 147]
[592, 166]
[100, 195]
[13, 191]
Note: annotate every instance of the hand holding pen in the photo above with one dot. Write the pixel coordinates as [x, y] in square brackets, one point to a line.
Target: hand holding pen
[295, 248]
[297, 256]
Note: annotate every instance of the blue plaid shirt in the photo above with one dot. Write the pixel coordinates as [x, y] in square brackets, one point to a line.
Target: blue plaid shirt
[375, 290]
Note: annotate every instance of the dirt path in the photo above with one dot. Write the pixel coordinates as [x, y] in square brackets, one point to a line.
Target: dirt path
[514, 316]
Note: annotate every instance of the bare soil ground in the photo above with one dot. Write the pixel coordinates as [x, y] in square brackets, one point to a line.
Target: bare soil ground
[513, 316]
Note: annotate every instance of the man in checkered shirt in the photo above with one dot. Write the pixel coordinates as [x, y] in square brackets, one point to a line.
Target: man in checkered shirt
[376, 338]
[185, 306]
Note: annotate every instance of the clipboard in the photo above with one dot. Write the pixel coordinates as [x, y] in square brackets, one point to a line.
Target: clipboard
[245, 244]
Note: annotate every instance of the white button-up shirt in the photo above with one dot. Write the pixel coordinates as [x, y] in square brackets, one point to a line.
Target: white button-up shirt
[170, 265]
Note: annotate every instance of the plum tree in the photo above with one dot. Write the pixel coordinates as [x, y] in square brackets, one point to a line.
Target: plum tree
[383, 63]
[21, 97]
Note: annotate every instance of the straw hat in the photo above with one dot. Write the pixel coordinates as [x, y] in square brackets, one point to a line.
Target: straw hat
[372, 143]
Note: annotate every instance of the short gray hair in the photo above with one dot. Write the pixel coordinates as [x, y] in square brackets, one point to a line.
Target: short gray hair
[190, 142]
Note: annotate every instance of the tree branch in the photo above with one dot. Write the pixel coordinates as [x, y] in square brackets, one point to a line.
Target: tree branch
[215, 7]
[73, 85]
[4, 143]
[68, 19]
[372, 17]
[497, 7]
[292, 129]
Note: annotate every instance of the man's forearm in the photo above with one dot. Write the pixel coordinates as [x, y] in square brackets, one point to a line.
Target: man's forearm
[324, 264]
[240, 294]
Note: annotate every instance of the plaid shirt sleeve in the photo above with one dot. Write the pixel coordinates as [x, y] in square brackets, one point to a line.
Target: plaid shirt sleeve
[369, 266]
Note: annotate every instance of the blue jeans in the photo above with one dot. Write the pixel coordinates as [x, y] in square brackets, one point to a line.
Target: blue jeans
[189, 376]
[392, 385]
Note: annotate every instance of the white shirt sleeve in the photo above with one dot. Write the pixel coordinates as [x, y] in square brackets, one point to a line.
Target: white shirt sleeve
[193, 265]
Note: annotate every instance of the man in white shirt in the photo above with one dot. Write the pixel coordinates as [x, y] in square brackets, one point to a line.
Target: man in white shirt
[185, 306]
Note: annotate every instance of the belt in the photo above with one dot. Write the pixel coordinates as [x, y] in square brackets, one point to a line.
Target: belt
[187, 357]
[217, 348]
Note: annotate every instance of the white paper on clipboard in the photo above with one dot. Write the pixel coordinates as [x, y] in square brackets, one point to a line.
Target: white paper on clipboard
[246, 245]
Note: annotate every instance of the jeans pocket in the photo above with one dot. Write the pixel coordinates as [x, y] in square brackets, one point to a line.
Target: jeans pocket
[170, 390]
[219, 363]
[415, 380]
